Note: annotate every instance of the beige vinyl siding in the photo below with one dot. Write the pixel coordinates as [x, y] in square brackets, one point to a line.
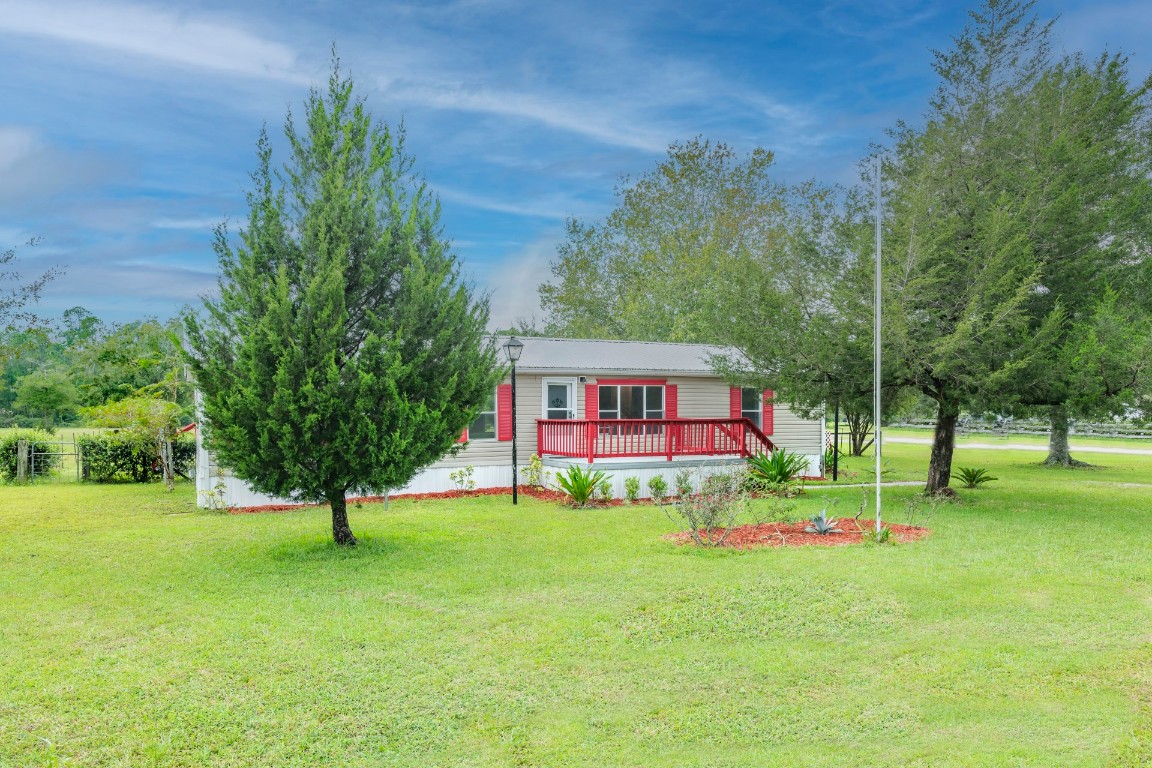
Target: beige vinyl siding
[797, 434]
[701, 398]
[480, 453]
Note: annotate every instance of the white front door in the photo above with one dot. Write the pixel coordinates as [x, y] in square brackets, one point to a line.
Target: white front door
[559, 398]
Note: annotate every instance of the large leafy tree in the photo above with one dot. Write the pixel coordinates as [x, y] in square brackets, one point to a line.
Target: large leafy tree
[708, 247]
[679, 235]
[46, 394]
[344, 353]
[138, 357]
[801, 313]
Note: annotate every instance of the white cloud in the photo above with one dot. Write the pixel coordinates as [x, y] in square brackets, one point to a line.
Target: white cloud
[205, 223]
[168, 36]
[610, 126]
[34, 170]
[15, 144]
[551, 206]
[513, 281]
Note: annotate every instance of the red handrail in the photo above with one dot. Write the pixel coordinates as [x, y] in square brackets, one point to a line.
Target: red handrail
[610, 438]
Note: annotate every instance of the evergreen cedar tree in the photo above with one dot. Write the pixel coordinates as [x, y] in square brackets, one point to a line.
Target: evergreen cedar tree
[344, 352]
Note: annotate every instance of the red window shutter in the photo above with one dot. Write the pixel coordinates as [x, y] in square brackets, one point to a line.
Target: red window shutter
[591, 401]
[671, 406]
[504, 412]
[734, 403]
[767, 416]
[463, 437]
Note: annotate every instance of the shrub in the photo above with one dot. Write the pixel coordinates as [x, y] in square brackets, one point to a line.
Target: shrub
[534, 473]
[974, 477]
[658, 488]
[604, 491]
[632, 489]
[684, 482]
[776, 468]
[463, 479]
[129, 455]
[39, 441]
[580, 484]
[711, 514]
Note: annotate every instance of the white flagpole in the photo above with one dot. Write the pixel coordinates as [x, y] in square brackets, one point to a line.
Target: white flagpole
[876, 349]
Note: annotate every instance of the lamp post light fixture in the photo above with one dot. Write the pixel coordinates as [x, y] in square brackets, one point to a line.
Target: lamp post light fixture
[512, 348]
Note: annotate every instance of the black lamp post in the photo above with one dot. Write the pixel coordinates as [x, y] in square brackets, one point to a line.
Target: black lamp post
[512, 348]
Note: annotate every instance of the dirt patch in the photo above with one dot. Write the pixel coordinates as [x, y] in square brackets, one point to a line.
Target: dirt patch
[794, 535]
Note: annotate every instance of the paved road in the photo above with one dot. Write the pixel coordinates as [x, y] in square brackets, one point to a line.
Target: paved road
[1023, 447]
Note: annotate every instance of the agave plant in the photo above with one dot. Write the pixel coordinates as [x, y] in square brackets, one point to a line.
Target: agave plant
[822, 525]
[581, 484]
[974, 477]
[777, 467]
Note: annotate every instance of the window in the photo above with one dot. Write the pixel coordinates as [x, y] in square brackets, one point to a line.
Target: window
[631, 402]
[752, 406]
[484, 427]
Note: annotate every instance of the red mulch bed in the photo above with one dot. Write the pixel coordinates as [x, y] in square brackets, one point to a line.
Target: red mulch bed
[793, 535]
[539, 493]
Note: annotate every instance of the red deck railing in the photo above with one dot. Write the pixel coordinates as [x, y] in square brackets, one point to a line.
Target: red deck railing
[613, 438]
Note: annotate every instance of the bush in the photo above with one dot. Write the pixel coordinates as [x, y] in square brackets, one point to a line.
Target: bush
[534, 474]
[632, 489]
[40, 445]
[581, 485]
[658, 488]
[711, 514]
[113, 456]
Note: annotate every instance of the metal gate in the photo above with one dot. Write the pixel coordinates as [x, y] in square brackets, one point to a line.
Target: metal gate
[41, 458]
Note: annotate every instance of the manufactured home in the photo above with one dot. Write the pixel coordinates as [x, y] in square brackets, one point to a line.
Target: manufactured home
[629, 408]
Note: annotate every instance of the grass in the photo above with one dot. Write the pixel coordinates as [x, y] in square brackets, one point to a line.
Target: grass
[136, 631]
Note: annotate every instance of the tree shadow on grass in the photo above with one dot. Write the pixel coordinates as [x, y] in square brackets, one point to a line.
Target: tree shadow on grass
[398, 551]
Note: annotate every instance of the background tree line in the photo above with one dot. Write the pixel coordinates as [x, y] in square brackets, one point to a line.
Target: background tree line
[52, 370]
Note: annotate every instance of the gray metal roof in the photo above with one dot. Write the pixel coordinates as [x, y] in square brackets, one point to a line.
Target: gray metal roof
[589, 355]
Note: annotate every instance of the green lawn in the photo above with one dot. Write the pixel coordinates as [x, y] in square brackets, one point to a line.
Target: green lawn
[137, 631]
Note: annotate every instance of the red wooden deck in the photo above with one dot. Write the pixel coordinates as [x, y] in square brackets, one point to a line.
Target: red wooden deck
[667, 438]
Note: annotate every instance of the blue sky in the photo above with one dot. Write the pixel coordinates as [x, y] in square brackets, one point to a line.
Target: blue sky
[128, 129]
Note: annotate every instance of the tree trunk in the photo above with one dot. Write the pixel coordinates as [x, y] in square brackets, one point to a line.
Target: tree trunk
[341, 533]
[1058, 453]
[943, 444]
[859, 427]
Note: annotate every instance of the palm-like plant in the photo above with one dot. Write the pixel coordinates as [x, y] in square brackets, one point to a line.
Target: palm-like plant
[581, 484]
[974, 477]
[777, 467]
